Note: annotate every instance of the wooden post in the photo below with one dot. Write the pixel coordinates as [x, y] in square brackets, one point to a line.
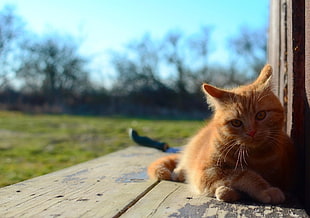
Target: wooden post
[307, 103]
[289, 53]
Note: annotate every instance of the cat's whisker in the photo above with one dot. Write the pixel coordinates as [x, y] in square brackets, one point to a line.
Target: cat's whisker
[232, 146]
[225, 151]
[237, 151]
[229, 148]
[219, 161]
[245, 152]
[239, 159]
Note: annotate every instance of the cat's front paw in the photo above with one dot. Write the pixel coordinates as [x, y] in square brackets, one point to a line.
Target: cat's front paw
[272, 195]
[227, 194]
[178, 175]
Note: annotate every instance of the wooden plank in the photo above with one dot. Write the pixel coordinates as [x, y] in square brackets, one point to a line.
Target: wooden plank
[274, 42]
[105, 185]
[169, 199]
[277, 48]
[283, 65]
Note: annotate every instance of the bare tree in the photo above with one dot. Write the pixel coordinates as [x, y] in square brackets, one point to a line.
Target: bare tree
[138, 67]
[53, 65]
[199, 47]
[174, 54]
[249, 50]
[11, 31]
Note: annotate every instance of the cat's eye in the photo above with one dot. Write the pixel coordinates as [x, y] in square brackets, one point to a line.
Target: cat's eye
[260, 115]
[236, 123]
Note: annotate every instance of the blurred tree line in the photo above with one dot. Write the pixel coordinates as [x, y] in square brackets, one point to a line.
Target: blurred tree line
[47, 74]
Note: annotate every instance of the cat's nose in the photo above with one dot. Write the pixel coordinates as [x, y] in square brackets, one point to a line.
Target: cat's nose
[251, 133]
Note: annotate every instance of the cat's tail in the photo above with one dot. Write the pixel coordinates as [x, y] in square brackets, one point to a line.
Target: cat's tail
[164, 169]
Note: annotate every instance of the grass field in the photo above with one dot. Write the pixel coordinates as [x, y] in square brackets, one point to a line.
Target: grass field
[32, 145]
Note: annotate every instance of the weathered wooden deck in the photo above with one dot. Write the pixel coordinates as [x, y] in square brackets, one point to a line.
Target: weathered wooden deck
[116, 185]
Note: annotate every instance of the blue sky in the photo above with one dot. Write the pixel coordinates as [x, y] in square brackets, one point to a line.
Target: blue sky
[110, 24]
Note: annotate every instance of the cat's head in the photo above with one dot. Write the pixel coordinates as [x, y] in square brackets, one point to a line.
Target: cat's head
[251, 114]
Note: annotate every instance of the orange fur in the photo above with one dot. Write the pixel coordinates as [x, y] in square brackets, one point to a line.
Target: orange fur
[243, 149]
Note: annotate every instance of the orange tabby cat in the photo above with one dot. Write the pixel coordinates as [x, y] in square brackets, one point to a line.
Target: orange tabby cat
[243, 149]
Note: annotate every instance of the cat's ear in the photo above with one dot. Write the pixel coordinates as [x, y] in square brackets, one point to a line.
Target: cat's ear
[213, 91]
[214, 95]
[264, 78]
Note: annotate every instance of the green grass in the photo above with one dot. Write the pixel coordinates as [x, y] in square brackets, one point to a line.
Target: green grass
[33, 145]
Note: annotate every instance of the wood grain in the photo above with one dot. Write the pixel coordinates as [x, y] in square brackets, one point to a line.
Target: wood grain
[169, 199]
[102, 186]
[274, 43]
